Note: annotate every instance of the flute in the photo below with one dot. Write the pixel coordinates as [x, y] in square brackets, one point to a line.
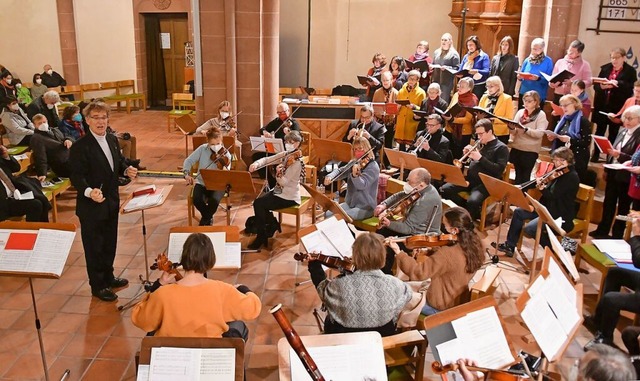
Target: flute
[296, 343]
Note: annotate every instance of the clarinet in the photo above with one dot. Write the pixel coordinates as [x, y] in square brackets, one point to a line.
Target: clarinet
[296, 343]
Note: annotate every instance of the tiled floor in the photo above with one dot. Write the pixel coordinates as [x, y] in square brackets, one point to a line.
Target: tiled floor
[96, 342]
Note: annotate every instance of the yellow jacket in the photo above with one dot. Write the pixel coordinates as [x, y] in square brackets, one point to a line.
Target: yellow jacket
[466, 121]
[504, 109]
[405, 125]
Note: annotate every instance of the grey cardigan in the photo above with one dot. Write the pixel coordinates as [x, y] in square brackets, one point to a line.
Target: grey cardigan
[419, 214]
[362, 191]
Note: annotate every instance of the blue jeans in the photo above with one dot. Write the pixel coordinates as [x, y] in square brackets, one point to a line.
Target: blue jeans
[428, 310]
[357, 214]
[517, 224]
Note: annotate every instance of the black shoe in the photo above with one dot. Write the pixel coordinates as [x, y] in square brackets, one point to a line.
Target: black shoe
[204, 222]
[106, 294]
[258, 243]
[599, 339]
[118, 283]
[590, 324]
[598, 235]
[506, 249]
[122, 181]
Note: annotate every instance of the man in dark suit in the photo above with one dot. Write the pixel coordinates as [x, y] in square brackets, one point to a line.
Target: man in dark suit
[50, 148]
[436, 146]
[370, 129]
[96, 163]
[36, 210]
[616, 190]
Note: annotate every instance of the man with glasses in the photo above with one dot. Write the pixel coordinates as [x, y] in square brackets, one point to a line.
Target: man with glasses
[368, 128]
[434, 146]
[616, 190]
[559, 198]
[96, 163]
[489, 157]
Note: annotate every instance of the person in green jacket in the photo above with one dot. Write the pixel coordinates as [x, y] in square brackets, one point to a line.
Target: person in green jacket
[23, 94]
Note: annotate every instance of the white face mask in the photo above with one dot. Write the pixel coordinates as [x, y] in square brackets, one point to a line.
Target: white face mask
[289, 146]
[407, 188]
[39, 81]
[50, 71]
[18, 85]
[50, 106]
[215, 147]
[43, 127]
[8, 81]
[224, 115]
[14, 107]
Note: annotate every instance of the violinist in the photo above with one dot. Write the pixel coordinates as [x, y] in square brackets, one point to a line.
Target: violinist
[435, 146]
[366, 300]
[277, 128]
[558, 196]
[196, 306]
[211, 155]
[368, 128]
[616, 190]
[490, 159]
[225, 122]
[286, 193]
[362, 181]
[450, 267]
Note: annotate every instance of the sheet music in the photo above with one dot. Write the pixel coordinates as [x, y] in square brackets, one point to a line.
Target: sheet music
[176, 242]
[186, 364]
[143, 373]
[483, 331]
[316, 242]
[144, 201]
[618, 249]
[49, 253]
[565, 312]
[338, 233]
[544, 326]
[556, 273]
[452, 350]
[343, 362]
[232, 256]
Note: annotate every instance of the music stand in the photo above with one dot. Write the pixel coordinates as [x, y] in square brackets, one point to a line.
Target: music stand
[444, 172]
[327, 149]
[268, 145]
[230, 143]
[165, 193]
[544, 217]
[187, 126]
[237, 343]
[31, 273]
[326, 203]
[239, 181]
[506, 194]
[402, 160]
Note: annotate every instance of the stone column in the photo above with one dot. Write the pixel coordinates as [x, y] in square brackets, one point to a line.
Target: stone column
[68, 47]
[270, 56]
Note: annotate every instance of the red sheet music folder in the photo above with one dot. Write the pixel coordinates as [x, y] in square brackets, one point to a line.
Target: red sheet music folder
[21, 241]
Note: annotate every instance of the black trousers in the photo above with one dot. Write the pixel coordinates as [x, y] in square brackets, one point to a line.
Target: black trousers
[523, 162]
[99, 240]
[263, 206]
[503, 138]
[457, 145]
[264, 172]
[479, 90]
[613, 301]
[33, 210]
[603, 123]
[206, 202]
[615, 193]
[473, 203]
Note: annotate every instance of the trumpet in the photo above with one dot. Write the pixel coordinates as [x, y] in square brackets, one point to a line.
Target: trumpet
[465, 159]
[424, 138]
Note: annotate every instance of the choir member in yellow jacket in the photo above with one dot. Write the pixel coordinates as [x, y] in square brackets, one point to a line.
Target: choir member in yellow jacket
[406, 126]
[498, 103]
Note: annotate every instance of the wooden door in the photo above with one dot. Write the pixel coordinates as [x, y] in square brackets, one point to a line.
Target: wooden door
[174, 26]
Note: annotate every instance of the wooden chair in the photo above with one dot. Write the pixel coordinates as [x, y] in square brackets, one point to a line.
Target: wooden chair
[132, 98]
[406, 350]
[88, 88]
[582, 220]
[306, 202]
[179, 107]
[191, 209]
[371, 224]
[75, 90]
[113, 97]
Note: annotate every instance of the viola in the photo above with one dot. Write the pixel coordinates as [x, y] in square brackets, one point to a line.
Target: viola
[400, 207]
[163, 263]
[490, 374]
[427, 240]
[291, 158]
[548, 178]
[360, 166]
[220, 158]
[327, 260]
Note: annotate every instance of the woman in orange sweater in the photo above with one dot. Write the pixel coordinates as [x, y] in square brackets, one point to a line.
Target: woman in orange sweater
[450, 267]
[196, 306]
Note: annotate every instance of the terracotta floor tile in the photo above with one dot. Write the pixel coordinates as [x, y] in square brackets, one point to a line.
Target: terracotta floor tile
[262, 375]
[8, 317]
[126, 329]
[19, 301]
[27, 320]
[28, 367]
[105, 370]
[51, 302]
[84, 346]
[100, 325]
[16, 341]
[6, 361]
[263, 356]
[66, 322]
[11, 284]
[280, 282]
[282, 268]
[53, 342]
[123, 348]
[76, 365]
[65, 286]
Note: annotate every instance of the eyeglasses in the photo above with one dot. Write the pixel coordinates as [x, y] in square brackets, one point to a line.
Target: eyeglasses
[433, 124]
[529, 101]
[281, 112]
[479, 134]
[99, 117]
[566, 104]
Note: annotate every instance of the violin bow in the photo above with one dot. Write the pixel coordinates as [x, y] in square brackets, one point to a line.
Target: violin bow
[432, 218]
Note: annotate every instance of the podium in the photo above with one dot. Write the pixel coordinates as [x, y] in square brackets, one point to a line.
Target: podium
[46, 260]
[444, 172]
[240, 181]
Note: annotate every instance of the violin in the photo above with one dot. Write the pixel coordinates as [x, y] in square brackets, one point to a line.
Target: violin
[220, 158]
[419, 241]
[230, 121]
[400, 207]
[163, 263]
[549, 177]
[360, 166]
[291, 158]
[344, 265]
[489, 374]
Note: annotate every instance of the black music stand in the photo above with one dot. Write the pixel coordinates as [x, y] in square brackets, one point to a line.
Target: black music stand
[506, 194]
[239, 181]
[31, 273]
[402, 160]
[327, 149]
[444, 172]
[187, 126]
[326, 203]
[544, 217]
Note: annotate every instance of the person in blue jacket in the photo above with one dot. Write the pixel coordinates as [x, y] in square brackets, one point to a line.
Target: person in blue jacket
[477, 63]
[536, 63]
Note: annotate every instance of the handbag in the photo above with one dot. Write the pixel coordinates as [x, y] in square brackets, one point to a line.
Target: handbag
[569, 244]
[409, 315]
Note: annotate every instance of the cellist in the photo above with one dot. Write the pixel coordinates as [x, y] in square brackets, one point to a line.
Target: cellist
[211, 155]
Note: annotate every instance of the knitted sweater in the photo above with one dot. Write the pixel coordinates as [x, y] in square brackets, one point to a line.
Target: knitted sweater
[531, 140]
[446, 268]
[364, 299]
[362, 191]
[203, 310]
